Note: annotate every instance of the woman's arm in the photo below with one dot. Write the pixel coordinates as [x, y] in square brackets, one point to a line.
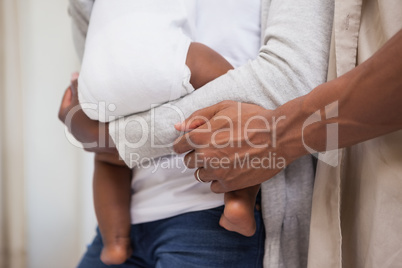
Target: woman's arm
[292, 61]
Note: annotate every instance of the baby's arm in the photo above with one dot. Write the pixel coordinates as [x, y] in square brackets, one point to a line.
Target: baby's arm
[205, 64]
[112, 194]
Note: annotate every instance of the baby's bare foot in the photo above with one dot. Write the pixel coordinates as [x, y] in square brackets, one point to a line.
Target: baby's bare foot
[238, 215]
[117, 251]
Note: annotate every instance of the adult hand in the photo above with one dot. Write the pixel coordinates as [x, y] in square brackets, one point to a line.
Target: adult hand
[233, 144]
[92, 134]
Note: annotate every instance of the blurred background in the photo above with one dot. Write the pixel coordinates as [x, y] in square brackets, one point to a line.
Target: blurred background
[46, 212]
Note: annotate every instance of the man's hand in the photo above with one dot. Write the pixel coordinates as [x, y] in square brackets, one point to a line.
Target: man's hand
[237, 145]
[233, 144]
[92, 134]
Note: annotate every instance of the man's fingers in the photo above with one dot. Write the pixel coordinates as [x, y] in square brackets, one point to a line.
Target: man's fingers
[217, 187]
[65, 103]
[196, 139]
[190, 124]
[190, 160]
[183, 144]
[198, 124]
[194, 159]
[198, 118]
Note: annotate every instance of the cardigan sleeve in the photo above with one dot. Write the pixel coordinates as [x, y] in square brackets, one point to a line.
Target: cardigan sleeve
[291, 62]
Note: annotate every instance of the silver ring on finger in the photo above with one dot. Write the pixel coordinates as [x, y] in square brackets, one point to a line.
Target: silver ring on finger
[197, 176]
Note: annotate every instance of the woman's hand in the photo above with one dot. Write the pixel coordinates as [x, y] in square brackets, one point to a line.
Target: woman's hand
[93, 135]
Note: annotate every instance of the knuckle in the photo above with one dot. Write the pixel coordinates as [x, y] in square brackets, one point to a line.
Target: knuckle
[177, 146]
[207, 172]
[206, 154]
[195, 138]
[219, 173]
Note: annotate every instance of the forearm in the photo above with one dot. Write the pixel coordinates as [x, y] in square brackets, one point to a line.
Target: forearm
[368, 100]
[292, 60]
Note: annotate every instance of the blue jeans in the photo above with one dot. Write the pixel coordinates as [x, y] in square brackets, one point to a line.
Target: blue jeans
[193, 239]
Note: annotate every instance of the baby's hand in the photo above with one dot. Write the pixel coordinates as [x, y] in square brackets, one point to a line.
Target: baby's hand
[68, 99]
[93, 135]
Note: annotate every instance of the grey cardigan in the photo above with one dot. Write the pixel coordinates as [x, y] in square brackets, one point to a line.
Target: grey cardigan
[292, 61]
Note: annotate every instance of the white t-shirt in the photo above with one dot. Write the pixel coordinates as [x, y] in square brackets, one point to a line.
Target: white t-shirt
[165, 188]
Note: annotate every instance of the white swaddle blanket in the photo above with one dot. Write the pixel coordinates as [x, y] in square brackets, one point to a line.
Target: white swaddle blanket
[135, 56]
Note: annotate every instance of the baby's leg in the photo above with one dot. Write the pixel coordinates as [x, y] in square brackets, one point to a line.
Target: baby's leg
[112, 194]
[206, 65]
[238, 215]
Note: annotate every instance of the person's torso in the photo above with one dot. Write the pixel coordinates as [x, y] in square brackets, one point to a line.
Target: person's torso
[164, 187]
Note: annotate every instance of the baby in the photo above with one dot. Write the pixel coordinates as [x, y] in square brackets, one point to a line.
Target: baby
[138, 54]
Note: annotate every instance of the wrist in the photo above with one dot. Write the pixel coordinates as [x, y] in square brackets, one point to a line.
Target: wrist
[289, 129]
[311, 121]
[104, 142]
[111, 158]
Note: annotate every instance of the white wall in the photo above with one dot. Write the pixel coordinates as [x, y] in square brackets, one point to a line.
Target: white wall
[60, 219]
